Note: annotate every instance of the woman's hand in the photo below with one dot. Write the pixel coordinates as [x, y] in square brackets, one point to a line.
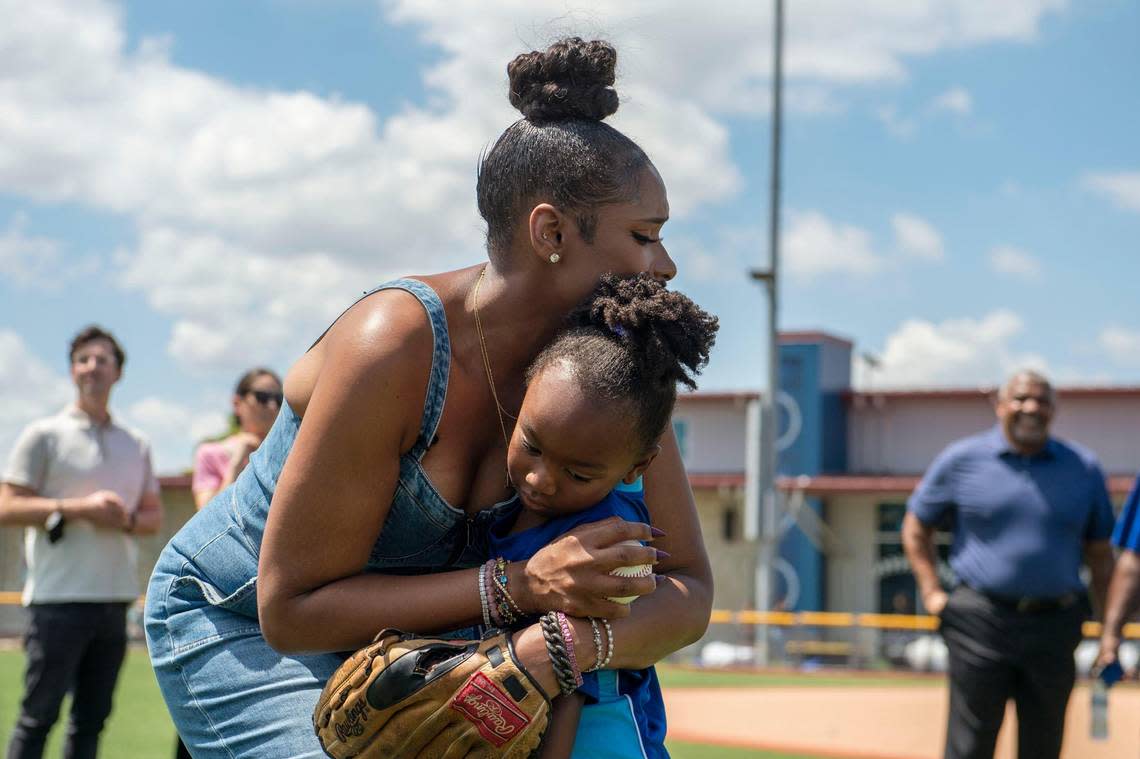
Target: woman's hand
[239, 446]
[572, 573]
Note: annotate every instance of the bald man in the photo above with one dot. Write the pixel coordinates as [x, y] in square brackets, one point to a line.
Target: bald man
[1023, 508]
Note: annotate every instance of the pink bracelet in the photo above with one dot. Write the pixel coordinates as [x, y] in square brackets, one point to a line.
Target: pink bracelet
[489, 586]
[568, 638]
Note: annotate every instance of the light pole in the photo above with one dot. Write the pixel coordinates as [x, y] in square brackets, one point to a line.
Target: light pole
[768, 541]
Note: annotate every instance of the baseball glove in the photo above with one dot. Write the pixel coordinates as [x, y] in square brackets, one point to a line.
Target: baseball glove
[404, 697]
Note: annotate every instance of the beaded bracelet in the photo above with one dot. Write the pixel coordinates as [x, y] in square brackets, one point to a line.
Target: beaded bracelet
[489, 589]
[484, 604]
[568, 637]
[501, 579]
[556, 649]
[597, 645]
[508, 609]
[609, 645]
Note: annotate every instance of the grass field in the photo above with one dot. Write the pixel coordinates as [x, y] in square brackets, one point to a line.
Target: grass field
[139, 728]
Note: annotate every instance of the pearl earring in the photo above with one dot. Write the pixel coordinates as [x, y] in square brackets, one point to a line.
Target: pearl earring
[555, 258]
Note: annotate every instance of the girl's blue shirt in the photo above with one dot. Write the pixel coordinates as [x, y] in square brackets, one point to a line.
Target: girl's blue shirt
[624, 713]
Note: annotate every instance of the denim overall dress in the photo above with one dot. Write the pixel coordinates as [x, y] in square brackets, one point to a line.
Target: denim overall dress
[229, 693]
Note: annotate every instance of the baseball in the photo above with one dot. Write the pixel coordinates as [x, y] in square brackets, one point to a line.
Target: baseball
[640, 570]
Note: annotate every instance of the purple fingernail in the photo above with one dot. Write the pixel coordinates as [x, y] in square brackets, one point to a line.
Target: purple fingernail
[662, 554]
[656, 531]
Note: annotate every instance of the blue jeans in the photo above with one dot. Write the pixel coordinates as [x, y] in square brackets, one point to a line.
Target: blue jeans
[228, 692]
[77, 647]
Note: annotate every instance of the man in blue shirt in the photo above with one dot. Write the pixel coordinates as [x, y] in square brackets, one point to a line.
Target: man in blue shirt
[1124, 589]
[1022, 507]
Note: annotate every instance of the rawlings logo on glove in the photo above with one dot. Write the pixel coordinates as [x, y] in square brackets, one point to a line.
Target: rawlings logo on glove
[489, 709]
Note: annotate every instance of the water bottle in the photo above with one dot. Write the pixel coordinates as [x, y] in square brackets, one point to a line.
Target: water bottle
[1098, 711]
[1098, 699]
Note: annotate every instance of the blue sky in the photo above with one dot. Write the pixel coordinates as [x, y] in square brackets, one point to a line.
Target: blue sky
[214, 181]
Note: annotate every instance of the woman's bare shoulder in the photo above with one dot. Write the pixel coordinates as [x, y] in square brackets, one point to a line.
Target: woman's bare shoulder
[383, 343]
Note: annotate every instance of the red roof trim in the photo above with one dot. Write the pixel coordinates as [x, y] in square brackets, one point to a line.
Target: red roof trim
[727, 395]
[813, 336]
[967, 393]
[175, 481]
[712, 480]
[842, 484]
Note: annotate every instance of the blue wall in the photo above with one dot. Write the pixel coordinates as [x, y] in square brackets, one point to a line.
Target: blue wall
[814, 373]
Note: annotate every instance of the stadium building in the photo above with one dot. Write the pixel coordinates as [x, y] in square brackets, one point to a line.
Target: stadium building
[848, 460]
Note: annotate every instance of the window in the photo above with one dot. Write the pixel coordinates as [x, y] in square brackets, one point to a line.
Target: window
[730, 524]
[898, 593]
[681, 431]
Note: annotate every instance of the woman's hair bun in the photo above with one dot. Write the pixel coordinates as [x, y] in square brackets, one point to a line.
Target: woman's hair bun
[572, 79]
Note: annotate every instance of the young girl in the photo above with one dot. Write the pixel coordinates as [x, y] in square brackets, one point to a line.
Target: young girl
[597, 401]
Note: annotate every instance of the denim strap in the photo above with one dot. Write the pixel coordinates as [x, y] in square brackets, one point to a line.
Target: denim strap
[440, 359]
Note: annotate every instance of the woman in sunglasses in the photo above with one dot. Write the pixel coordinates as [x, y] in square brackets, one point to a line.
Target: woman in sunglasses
[365, 506]
[257, 399]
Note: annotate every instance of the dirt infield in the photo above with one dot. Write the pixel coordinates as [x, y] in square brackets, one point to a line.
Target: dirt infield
[855, 722]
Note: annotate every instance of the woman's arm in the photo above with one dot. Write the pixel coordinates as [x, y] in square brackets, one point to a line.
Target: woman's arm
[239, 447]
[659, 623]
[336, 487]
[558, 740]
[677, 613]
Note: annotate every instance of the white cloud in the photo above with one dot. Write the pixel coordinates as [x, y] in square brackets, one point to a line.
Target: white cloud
[285, 187]
[1122, 188]
[954, 352]
[917, 237]
[813, 245]
[29, 388]
[234, 305]
[727, 57]
[1121, 345]
[1015, 262]
[28, 261]
[904, 126]
[955, 100]
[174, 430]
[1010, 189]
[896, 125]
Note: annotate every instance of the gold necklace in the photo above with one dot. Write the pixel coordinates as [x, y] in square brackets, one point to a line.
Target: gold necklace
[487, 365]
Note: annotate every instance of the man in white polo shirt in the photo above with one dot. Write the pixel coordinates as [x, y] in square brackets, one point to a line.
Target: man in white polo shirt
[83, 487]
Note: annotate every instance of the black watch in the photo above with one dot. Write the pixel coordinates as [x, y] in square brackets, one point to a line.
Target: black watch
[54, 526]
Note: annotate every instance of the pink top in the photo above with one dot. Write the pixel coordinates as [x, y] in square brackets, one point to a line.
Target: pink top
[210, 463]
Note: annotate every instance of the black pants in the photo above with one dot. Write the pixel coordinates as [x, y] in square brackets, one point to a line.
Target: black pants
[997, 653]
[76, 647]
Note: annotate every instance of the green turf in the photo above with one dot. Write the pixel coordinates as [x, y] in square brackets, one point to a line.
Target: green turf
[678, 750]
[139, 727]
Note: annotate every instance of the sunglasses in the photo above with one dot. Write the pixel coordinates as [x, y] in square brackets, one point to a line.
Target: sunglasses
[264, 397]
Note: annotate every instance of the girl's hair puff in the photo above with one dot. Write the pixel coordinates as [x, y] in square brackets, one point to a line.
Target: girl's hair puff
[632, 341]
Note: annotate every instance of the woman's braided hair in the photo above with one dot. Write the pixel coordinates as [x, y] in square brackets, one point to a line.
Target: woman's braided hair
[560, 152]
[631, 342]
